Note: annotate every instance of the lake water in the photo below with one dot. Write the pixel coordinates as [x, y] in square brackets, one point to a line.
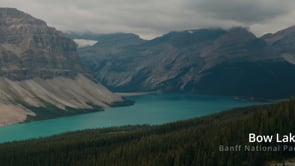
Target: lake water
[148, 109]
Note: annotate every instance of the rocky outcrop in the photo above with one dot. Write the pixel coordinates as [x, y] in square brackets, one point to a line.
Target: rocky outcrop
[40, 73]
[29, 48]
[230, 62]
[283, 42]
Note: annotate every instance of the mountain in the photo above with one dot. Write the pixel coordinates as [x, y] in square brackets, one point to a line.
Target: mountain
[115, 40]
[40, 73]
[230, 62]
[283, 42]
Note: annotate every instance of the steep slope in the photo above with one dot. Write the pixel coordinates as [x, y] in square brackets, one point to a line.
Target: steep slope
[149, 65]
[283, 42]
[283, 39]
[208, 61]
[239, 64]
[41, 74]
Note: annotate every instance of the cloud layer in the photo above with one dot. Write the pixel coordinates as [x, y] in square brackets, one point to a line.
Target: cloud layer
[153, 17]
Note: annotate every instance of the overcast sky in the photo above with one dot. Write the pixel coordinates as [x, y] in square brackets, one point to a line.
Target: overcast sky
[150, 18]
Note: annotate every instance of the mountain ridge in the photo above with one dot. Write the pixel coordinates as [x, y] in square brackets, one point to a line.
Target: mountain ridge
[188, 61]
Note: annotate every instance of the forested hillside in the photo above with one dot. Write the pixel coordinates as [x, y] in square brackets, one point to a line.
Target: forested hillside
[190, 142]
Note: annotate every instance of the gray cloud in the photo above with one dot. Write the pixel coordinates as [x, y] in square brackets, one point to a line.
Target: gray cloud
[153, 17]
[244, 11]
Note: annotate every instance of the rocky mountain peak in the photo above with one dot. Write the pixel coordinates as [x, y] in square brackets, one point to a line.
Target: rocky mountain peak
[235, 43]
[29, 48]
[283, 34]
[283, 41]
[40, 73]
[235, 35]
[12, 16]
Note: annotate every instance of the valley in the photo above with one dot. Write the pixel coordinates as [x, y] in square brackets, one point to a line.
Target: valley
[191, 97]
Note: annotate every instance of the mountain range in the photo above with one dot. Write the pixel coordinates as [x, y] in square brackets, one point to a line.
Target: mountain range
[231, 62]
[40, 73]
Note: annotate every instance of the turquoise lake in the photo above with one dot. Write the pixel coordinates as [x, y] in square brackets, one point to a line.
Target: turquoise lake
[148, 109]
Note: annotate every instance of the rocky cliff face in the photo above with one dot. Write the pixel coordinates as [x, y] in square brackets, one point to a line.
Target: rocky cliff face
[283, 42]
[208, 61]
[40, 72]
[29, 48]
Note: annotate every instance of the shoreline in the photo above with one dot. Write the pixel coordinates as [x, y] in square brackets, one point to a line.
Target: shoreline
[126, 94]
[242, 98]
[257, 99]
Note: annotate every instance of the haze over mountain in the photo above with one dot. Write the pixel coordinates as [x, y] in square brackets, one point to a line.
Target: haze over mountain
[206, 61]
[40, 72]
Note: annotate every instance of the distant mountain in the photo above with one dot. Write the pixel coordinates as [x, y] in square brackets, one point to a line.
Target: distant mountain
[230, 62]
[283, 42]
[110, 40]
[40, 72]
